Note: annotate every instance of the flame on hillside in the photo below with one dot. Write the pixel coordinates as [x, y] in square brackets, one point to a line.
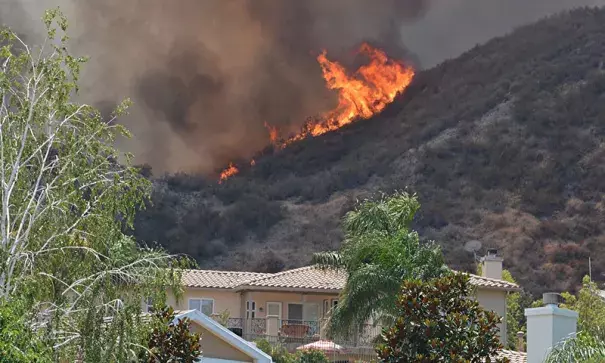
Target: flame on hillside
[227, 173]
[361, 95]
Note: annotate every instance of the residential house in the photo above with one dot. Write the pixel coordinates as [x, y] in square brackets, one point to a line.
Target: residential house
[294, 304]
[547, 326]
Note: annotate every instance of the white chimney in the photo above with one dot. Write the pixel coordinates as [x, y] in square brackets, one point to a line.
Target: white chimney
[491, 265]
[547, 326]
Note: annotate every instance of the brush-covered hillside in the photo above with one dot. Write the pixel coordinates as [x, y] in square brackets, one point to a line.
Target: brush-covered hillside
[505, 144]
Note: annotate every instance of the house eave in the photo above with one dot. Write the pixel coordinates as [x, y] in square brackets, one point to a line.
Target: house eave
[247, 288]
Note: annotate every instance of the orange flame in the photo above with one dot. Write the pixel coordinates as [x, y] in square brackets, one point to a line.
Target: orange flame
[227, 173]
[273, 133]
[361, 95]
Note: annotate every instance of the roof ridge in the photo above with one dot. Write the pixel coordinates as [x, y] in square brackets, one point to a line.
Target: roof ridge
[277, 274]
[492, 279]
[227, 272]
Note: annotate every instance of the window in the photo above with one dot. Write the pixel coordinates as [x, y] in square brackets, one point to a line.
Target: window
[334, 303]
[274, 309]
[326, 308]
[206, 306]
[250, 309]
[295, 312]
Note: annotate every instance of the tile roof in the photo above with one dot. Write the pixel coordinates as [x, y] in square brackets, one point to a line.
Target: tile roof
[513, 356]
[490, 283]
[217, 279]
[309, 277]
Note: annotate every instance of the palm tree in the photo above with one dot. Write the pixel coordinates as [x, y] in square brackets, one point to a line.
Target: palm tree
[581, 348]
[378, 253]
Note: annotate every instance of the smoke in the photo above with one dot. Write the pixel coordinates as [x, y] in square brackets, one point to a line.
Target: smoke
[205, 75]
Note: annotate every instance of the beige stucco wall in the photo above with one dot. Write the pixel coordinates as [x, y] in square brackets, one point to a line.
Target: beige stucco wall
[263, 297]
[234, 302]
[223, 300]
[495, 301]
[214, 347]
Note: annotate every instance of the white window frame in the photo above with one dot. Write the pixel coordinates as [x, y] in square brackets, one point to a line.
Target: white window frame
[333, 303]
[201, 299]
[280, 309]
[250, 309]
[289, 318]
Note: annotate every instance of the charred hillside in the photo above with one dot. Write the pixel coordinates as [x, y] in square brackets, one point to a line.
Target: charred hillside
[504, 144]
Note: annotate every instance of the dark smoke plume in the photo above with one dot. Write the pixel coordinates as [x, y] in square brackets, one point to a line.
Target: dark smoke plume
[205, 75]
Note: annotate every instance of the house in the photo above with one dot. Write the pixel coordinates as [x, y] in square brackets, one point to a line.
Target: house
[547, 326]
[220, 345]
[294, 304]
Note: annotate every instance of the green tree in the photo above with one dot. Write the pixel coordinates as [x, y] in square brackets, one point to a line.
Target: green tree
[65, 204]
[170, 342]
[438, 322]
[590, 306]
[18, 342]
[583, 348]
[378, 253]
[515, 313]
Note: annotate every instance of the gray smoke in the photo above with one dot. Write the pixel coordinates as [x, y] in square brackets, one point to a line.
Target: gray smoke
[205, 75]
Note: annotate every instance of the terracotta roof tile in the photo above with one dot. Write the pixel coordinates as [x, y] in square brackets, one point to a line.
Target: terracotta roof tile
[490, 283]
[513, 356]
[309, 277]
[217, 279]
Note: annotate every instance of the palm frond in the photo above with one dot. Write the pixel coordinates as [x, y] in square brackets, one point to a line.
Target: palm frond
[368, 292]
[328, 260]
[581, 347]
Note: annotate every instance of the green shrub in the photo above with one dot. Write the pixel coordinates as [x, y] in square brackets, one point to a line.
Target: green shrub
[278, 352]
[311, 356]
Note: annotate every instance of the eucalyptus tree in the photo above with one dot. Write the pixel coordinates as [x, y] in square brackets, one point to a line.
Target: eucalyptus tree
[67, 196]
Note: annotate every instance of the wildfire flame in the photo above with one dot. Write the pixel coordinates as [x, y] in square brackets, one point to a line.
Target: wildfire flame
[227, 173]
[361, 95]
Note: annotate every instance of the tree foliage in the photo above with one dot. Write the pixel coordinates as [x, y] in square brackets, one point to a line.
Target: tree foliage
[170, 341]
[438, 321]
[582, 348]
[66, 198]
[379, 252]
[18, 342]
[280, 354]
[590, 306]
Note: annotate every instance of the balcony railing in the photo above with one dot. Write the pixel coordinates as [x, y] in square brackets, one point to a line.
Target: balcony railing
[297, 331]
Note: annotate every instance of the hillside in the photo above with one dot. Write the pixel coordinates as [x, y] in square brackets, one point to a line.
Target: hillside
[504, 144]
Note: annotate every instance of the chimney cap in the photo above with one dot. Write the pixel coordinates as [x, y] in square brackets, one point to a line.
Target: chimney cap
[492, 251]
[551, 298]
